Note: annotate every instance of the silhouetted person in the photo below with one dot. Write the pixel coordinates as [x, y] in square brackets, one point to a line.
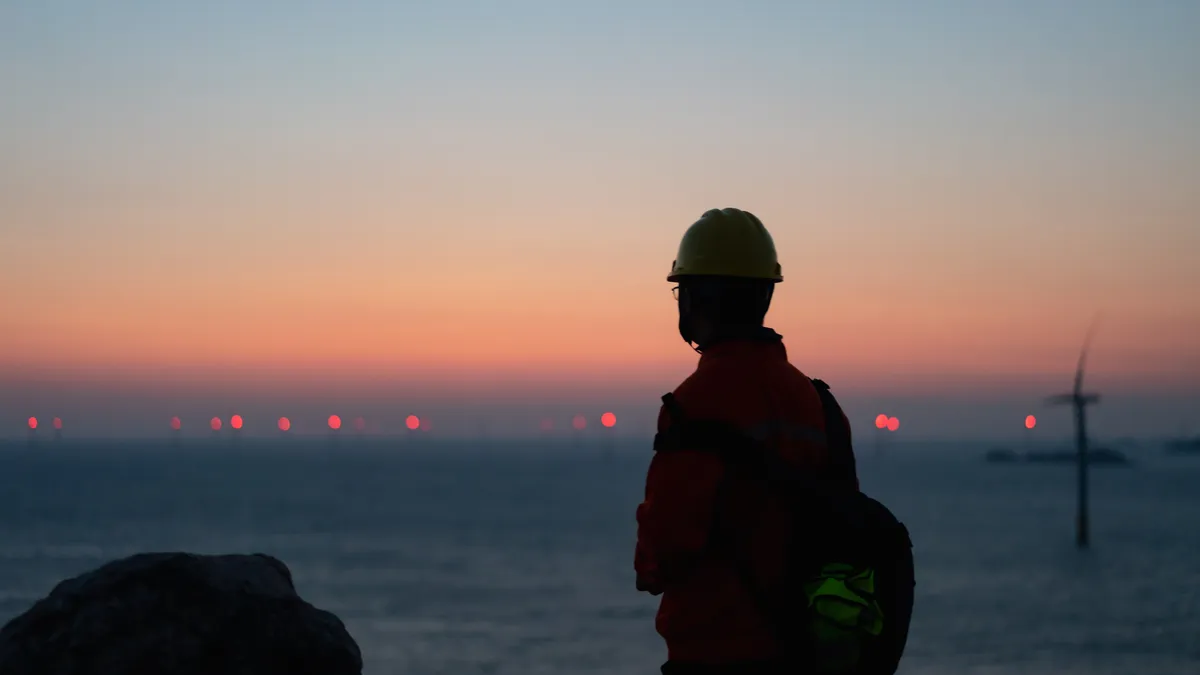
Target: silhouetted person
[718, 541]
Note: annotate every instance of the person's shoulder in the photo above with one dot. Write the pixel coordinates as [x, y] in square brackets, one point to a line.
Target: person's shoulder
[693, 387]
[707, 380]
[712, 391]
[795, 372]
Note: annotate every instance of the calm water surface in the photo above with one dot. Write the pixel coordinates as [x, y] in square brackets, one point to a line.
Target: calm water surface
[518, 559]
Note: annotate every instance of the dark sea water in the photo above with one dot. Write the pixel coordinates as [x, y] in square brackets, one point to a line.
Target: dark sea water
[501, 558]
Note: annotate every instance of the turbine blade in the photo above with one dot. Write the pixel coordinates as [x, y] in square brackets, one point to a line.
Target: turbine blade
[1087, 344]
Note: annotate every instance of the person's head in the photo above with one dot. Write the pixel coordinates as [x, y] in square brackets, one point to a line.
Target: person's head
[726, 270]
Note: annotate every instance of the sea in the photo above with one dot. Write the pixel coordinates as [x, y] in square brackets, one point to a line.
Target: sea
[501, 557]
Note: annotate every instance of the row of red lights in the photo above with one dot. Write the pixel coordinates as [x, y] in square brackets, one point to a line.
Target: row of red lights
[893, 423]
[412, 422]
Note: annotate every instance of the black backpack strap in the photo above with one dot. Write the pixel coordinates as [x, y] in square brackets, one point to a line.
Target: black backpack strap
[842, 466]
[668, 439]
[672, 405]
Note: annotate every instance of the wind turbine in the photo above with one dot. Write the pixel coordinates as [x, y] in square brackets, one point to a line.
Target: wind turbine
[1079, 401]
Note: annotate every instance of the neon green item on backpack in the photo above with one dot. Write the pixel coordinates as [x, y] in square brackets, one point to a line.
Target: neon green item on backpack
[844, 614]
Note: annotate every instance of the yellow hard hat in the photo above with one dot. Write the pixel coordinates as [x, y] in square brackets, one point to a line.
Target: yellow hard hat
[728, 243]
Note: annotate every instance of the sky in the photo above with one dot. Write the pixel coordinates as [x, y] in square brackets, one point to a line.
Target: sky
[470, 208]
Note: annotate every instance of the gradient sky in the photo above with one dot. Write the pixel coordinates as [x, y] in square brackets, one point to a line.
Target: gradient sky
[224, 204]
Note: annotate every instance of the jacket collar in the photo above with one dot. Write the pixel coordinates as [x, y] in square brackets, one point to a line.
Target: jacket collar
[757, 339]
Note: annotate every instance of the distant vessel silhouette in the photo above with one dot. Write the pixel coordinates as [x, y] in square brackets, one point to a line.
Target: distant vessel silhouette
[1183, 446]
[1106, 456]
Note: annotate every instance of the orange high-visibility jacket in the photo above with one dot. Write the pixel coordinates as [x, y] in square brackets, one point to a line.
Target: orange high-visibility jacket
[706, 614]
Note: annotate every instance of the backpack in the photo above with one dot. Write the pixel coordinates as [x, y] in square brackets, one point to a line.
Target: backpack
[845, 603]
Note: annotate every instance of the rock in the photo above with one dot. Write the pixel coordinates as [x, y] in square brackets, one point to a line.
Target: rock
[178, 614]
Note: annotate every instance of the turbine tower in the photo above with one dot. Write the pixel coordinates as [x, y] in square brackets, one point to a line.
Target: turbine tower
[1079, 401]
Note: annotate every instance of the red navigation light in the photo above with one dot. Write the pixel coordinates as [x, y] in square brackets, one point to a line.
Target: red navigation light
[236, 421]
[881, 421]
[893, 424]
[412, 422]
[608, 419]
[1030, 422]
[284, 424]
[335, 422]
[176, 423]
[215, 423]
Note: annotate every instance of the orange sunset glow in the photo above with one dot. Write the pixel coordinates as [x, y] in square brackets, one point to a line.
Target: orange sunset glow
[186, 227]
